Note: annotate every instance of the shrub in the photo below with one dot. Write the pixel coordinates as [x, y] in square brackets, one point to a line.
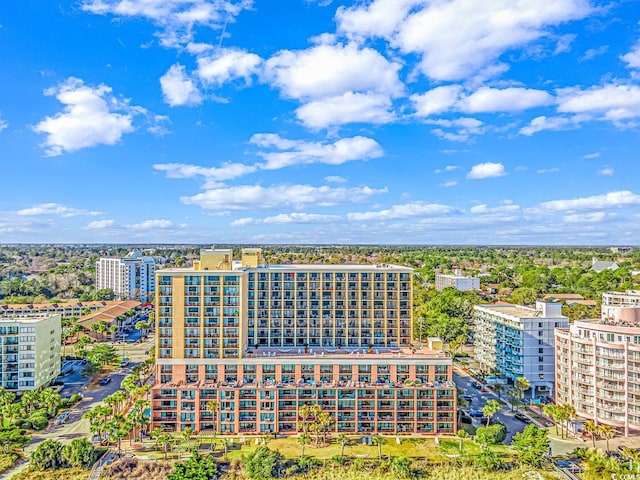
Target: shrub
[23, 423]
[75, 398]
[48, 456]
[492, 434]
[338, 459]
[79, 453]
[39, 422]
[263, 464]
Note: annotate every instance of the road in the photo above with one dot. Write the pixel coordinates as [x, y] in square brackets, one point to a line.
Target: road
[76, 426]
[463, 382]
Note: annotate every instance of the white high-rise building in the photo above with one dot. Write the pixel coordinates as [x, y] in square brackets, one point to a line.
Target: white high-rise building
[457, 281]
[29, 351]
[131, 277]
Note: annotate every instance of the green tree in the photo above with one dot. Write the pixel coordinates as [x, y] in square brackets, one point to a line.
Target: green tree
[79, 453]
[491, 435]
[551, 411]
[166, 440]
[499, 388]
[156, 433]
[263, 464]
[196, 468]
[103, 355]
[607, 432]
[591, 428]
[104, 294]
[531, 445]
[303, 440]
[48, 456]
[343, 440]
[379, 441]
[13, 438]
[462, 434]
[490, 409]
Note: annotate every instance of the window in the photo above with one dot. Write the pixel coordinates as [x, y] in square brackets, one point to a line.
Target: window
[541, 376]
[541, 350]
[541, 359]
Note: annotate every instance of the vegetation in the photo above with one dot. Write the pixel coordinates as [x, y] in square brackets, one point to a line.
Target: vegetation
[263, 464]
[196, 468]
[531, 446]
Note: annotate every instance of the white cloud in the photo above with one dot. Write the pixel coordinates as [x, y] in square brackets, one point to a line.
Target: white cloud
[254, 197]
[152, 225]
[622, 198]
[347, 108]
[407, 210]
[100, 224]
[607, 171]
[3, 124]
[486, 170]
[594, 52]
[593, 217]
[548, 170]
[614, 102]
[176, 18]
[457, 39]
[632, 58]
[178, 88]
[286, 219]
[463, 128]
[512, 99]
[450, 183]
[212, 175]
[297, 152]
[483, 209]
[448, 168]
[332, 70]
[91, 116]
[57, 210]
[543, 122]
[437, 100]
[335, 179]
[228, 64]
[592, 155]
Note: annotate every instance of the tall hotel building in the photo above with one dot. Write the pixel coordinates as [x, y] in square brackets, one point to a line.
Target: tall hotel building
[131, 278]
[263, 340]
[598, 364]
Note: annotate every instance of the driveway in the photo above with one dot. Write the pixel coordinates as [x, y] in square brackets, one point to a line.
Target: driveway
[463, 381]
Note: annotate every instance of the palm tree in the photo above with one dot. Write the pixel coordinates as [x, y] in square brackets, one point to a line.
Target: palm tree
[591, 428]
[570, 412]
[607, 432]
[29, 399]
[156, 433]
[225, 444]
[490, 409]
[6, 399]
[187, 433]
[343, 440]
[522, 384]
[213, 406]
[303, 440]
[499, 388]
[379, 440]
[462, 434]
[551, 410]
[113, 329]
[166, 439]
[562, 415]
[50, 399]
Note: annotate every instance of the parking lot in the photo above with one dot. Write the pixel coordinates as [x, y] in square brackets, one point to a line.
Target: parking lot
[74, 380]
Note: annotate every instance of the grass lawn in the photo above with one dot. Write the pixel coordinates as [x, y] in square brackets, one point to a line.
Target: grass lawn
[62, 474]
[409, 447]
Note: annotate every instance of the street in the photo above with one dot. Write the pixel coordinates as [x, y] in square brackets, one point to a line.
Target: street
[76, 426]
[463, 382]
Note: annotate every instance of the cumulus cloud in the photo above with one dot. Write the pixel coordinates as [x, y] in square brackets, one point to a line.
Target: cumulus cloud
[407, 210]
[178, 88]
[486, 170]
[100, 224]
[226, 65]
[152, 225]
[593, 217]
[632, 58]
[613, 102]
[213, 175]
[622, 198]
[56, 209]
[253, 197]
[543, 122]
[286, 219]
[331, 70]
[347, 108]
[285, 153]
[335, 179]
[462, 128]
[457, 39]
[91, 116]
[176, 19]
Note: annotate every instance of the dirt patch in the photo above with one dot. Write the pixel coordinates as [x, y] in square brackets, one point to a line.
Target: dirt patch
[128, 468]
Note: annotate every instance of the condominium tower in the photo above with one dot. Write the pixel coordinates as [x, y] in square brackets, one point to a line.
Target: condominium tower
[598, 364]
[263, 340]
[30, 351]
[457, 281]
[131, 277]
[517, 341]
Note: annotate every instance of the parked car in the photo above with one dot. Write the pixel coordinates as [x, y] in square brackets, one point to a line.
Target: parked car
[62, 418]
[476, 413]
[522, 417]
[124, 362]
[105, 381]
[468, 398]
[476, 385]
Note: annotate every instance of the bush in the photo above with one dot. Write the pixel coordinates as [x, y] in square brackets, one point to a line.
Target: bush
[48, 456]
[23, 423]
[75, 398]
[307, 463]
[79, 453]
[39, 422]
[492, 434]
[338, 459]
[263, 464]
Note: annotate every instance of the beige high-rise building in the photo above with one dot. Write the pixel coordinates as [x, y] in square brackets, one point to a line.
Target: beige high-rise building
[261, 341]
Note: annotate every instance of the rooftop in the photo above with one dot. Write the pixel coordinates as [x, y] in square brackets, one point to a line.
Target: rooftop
[34, 318]
[328, 268]
[517, 311]
[377, 353]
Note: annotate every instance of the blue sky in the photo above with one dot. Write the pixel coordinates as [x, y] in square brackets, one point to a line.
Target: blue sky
[302, 121]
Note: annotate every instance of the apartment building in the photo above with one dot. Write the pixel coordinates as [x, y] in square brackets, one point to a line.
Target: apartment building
[30, 351]
[65, 310]
[457, 281]
[263, 340]
[517, 341]
[131, 277]
[621, 307]
[598, 363]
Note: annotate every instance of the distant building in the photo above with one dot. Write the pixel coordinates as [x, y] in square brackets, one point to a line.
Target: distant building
[65, 310]
[562, 297]
[621, 307]
[30, 351]
[517, 341]
[457, 281]
[131, 277]
[602, 265]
